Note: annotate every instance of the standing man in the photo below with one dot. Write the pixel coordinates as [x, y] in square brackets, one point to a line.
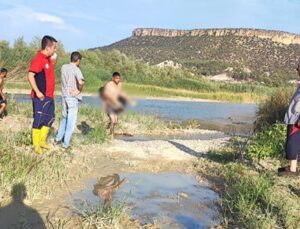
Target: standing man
[292, 147]
[3, 102]
[114, 100]
[42, 81]
[72, 82]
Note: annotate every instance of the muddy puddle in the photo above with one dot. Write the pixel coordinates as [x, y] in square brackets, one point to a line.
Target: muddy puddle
[169, 200]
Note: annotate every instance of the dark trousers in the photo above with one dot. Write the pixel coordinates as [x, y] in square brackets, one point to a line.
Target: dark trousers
[292, 146]
[43, 112]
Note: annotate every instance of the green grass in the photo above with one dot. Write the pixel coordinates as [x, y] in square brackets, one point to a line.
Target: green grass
[98, 216]
[254, 199]
[241, 93]
[17, 166]
[157, 91]
[251, 198]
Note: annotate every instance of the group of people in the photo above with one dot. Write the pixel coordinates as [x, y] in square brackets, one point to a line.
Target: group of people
[42, 81]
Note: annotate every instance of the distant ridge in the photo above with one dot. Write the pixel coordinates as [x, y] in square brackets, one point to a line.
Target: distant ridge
[277, 36]
[252, 54]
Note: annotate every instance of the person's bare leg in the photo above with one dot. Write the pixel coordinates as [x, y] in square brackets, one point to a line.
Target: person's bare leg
[112, 131]
[112, 125]
[2, 108]
[293, 167]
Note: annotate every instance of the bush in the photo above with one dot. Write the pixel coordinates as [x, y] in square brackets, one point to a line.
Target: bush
[273, 109]
[268, 143]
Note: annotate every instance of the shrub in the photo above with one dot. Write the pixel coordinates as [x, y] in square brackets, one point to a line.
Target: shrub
[268, 143]
[273, 109]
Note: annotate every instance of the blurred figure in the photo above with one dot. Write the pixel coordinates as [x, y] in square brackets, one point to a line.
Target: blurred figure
[114, 100]
[105, 188]
[3, 101]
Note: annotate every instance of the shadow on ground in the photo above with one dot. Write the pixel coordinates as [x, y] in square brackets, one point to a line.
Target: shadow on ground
[19, 215]
[216, 156]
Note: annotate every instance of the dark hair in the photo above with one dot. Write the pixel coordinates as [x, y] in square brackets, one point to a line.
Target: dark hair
[47, 41]
[2, 70]
[116, 74]
[75, 56]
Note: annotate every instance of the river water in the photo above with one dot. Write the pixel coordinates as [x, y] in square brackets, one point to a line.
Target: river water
[227, 117]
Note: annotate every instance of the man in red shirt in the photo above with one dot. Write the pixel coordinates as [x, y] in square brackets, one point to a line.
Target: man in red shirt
[42, 82]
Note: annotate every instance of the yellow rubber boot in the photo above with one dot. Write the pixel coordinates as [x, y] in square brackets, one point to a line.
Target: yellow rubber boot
[36, 139]
[44, 135]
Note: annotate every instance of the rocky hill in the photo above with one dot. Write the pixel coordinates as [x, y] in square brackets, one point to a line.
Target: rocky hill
[261, 55]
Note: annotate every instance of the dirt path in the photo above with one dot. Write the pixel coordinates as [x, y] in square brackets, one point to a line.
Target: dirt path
[154, 156]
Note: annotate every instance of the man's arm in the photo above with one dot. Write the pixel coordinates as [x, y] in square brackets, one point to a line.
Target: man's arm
[80, 82]
[80, 85]
[34, 86]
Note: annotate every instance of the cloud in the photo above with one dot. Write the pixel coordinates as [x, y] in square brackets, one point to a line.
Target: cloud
[20, 17]
[43, 17]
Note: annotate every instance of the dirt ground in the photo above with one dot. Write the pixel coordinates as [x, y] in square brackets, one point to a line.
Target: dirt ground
[116, 156]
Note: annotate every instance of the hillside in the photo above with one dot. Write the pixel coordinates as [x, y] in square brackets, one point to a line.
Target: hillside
[261, 55]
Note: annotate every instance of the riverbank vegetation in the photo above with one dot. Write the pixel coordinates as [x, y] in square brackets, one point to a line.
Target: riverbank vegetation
[252, 195]
[140, 78]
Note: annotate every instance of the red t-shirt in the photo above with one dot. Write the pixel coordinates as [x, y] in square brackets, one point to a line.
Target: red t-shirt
[43, 68]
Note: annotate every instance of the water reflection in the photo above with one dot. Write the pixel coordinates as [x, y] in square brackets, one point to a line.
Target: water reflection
[105, 188]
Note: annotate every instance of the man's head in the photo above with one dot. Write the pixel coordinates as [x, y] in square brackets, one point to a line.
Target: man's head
[49, 45]
[298, 68]
[76, 58]
[116, 77]
[3, 72]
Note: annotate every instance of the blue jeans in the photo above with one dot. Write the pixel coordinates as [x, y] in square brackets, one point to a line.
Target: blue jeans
[68, 122]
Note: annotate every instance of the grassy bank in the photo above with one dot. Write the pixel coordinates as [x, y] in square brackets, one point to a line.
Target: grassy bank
[145, 91]
[252, 195]
[18, 164]
[44, 175]
[157, 91]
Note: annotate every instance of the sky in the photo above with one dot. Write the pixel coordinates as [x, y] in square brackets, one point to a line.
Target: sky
[81, 24]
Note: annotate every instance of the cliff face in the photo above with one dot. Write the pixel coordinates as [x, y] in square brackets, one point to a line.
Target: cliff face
[269, 56]
[276, 36]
